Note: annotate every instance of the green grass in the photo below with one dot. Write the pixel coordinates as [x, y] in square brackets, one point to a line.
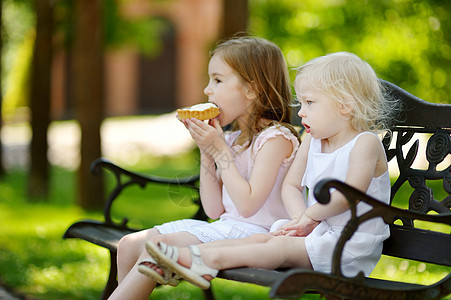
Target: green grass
[36, 261]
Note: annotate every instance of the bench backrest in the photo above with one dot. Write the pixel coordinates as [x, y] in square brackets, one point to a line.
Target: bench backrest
[421, 146]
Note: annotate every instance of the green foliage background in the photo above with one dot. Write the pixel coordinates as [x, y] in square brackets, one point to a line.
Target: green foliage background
[406, 41]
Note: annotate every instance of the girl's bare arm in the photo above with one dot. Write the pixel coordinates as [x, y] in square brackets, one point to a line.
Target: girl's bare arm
[210, 184]
[291, 188]
[367, 160]
[210, 187]
[249, 196]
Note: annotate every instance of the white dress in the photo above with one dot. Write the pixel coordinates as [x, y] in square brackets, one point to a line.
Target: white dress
[363, 250]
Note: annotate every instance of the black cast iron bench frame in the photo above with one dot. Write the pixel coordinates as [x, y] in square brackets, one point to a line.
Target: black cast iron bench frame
[406, 241]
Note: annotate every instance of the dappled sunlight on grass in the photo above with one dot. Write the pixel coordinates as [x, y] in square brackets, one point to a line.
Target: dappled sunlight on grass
[396, 269]
[70, 276]
[37, 261]
[34, 258]
[409, 271]
[49, 267]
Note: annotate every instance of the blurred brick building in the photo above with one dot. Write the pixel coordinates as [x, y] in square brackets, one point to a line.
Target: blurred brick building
[138, 84]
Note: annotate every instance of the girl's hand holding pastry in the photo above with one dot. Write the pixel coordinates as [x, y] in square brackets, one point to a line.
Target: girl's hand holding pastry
[208, 137]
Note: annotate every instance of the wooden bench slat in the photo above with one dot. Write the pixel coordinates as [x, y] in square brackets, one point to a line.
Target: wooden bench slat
[97, 233]
[252, 275]
[297, 282]
[418, 244]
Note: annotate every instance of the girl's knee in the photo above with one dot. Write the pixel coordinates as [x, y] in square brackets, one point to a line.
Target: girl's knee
[135, 240]
[124, 243]
[167, 238]
[158, 238]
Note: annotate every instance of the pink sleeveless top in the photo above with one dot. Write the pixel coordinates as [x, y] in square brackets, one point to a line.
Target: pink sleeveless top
[273, 209]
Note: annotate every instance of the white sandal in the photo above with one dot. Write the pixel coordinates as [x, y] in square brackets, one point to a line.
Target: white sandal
[167, 257]
[167, 278]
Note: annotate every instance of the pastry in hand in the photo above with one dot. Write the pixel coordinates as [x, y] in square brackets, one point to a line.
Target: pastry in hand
[203, 111]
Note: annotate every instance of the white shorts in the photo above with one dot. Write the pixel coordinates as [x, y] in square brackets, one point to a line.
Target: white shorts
[208, 232]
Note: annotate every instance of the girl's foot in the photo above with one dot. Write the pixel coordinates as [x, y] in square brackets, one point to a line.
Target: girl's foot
[167, 256]
[150, 268]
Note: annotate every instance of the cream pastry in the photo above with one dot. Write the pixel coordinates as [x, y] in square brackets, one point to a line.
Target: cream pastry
[203, 111]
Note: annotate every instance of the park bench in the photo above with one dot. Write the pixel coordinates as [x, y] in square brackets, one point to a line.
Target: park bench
[422, 130]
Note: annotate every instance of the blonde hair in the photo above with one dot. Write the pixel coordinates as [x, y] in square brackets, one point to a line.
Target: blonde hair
[352, 82]
[260, 64]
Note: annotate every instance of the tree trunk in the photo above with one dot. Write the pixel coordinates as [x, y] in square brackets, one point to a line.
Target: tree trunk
[2, 168]
[88, 92]
[38, 181]
[235, 18]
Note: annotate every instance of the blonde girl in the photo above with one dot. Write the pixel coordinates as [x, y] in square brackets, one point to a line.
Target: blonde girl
[241, 171]
[341, 106]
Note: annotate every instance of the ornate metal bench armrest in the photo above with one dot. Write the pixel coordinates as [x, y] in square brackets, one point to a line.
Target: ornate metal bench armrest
[125, 178]
[388, 213]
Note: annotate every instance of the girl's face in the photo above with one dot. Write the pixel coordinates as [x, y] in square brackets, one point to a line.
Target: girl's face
[321, 116]
[226, 90]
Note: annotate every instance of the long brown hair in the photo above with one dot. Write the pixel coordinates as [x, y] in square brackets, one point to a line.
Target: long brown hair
[261, 64]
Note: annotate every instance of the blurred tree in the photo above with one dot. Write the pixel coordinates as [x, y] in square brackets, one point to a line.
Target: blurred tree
[2, 168]
[407, 42]
[88, 95]
[38, 179]
[20, 37]
[143, 34]
[235, 17]
[88, 28]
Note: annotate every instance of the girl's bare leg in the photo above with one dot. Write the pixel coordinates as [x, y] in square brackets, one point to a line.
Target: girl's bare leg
[255, 238]
[134, 285]
[131, 247]
[280, 251]
[131, 251]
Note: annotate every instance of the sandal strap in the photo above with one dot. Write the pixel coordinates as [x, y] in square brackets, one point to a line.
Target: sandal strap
[166, 275]
[173, 253]
[170, 251]
[198, 265]
[150, 260]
